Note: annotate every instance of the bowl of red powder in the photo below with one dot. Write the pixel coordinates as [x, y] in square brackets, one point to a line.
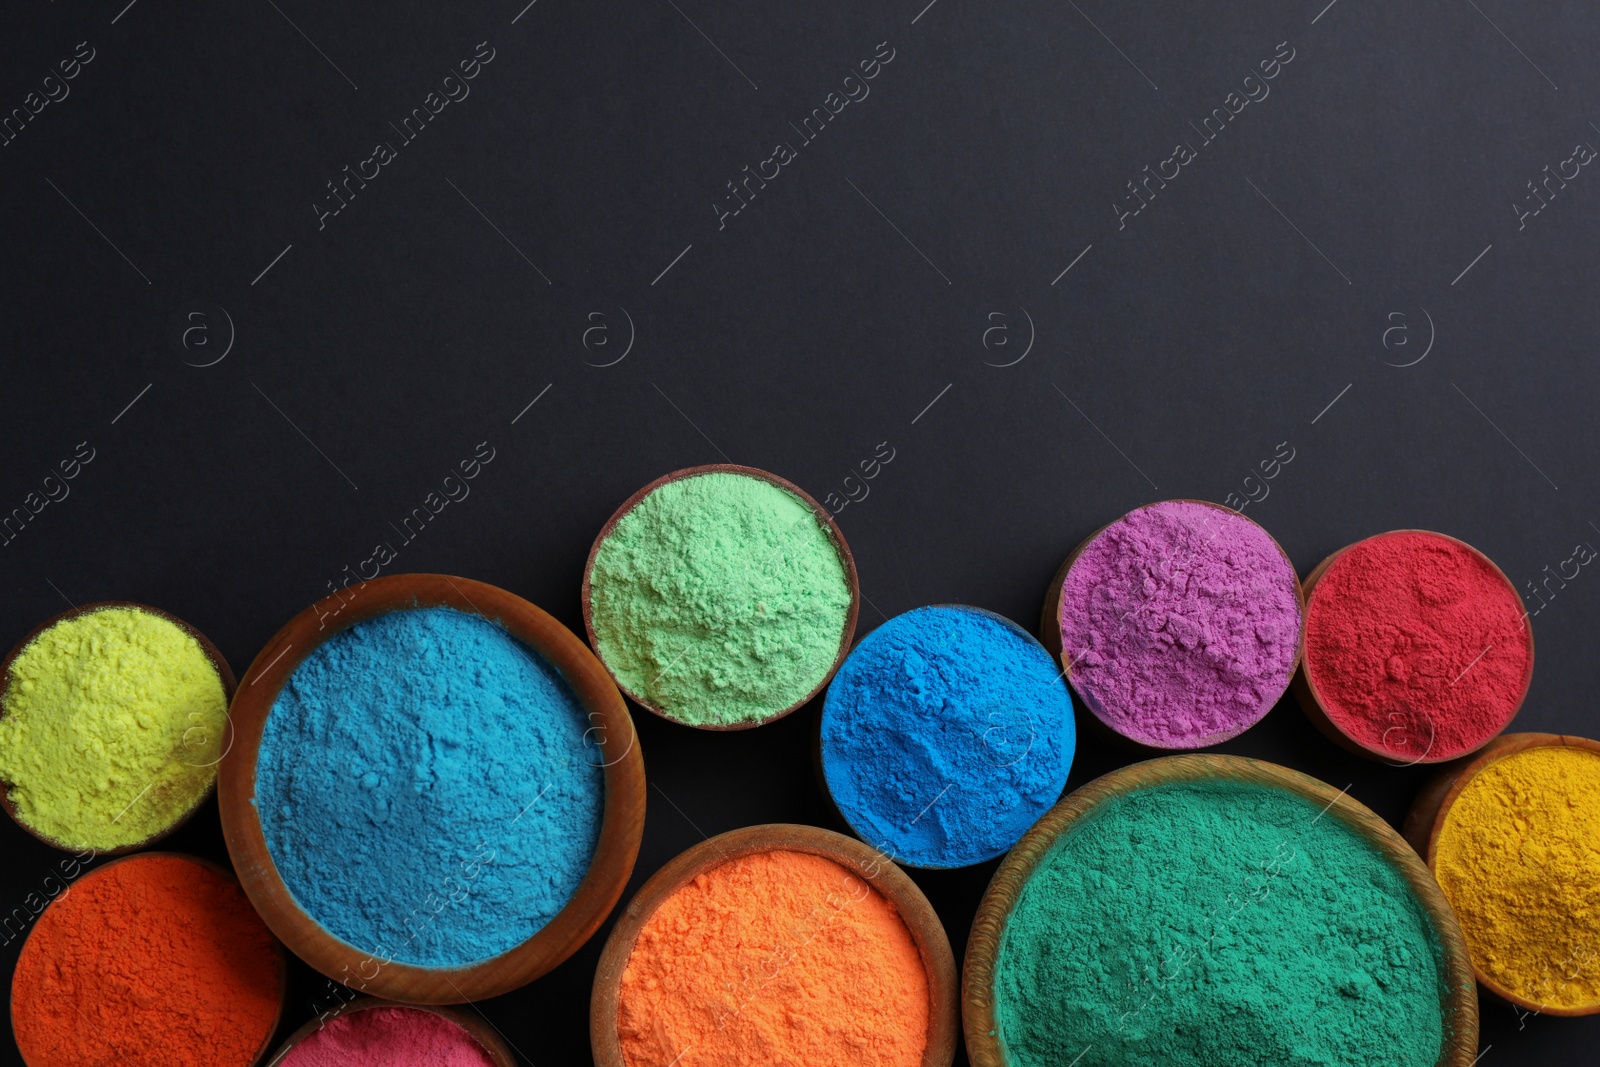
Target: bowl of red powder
[377, 1033]
[153, 958]
[1418, 649]
[804, 944]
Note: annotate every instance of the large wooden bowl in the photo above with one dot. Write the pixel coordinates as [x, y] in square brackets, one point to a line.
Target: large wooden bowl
[476, 1026]
[866, 862]
[1458, 1002]
[621, 827]
[824, 518]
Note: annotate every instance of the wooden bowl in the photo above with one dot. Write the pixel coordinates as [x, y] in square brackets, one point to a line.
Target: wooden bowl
[1310, 700]
[477, 1027]
[1426, 819]
[1050, 635]
[212, 653]
[621, 827]
[824, 517]
[872, 866]
[1458, 1003]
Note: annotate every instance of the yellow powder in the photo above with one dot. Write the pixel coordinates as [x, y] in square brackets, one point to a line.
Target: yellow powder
[1519, 858]
[112, 727]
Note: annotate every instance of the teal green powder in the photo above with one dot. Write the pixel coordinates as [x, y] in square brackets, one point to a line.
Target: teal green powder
[1216, 924]
[719, 599]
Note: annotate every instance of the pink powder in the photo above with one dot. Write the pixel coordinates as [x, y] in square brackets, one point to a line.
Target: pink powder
[1180, 624]
[389, 1037]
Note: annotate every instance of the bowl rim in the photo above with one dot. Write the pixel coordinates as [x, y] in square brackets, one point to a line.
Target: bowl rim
[622, 823]
[830, 527]
[477, 1027]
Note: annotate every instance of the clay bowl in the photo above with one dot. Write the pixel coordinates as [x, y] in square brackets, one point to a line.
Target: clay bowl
[823, 517]
[621, 827]
[1426, 819]
[1050, 635]
[875, 869]
[1458, 1001]
[479, 1028]
[223, 671]
[1310, 700]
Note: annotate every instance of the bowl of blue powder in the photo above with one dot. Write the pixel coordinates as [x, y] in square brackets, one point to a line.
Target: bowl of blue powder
[947, 733]
[434, 793]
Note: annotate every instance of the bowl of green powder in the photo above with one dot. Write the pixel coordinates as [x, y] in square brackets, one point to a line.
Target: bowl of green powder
[1199, 910]
[113, 717]
[721, 597]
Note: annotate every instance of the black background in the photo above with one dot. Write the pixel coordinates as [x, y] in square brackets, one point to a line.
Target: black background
[1173, 357]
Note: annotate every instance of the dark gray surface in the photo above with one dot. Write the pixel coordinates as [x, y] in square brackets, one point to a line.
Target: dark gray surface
[899, 259]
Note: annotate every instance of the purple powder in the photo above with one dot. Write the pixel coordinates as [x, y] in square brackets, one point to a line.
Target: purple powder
[1180, 623]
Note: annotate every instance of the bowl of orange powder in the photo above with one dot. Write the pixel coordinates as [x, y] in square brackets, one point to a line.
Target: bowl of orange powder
[808, 945]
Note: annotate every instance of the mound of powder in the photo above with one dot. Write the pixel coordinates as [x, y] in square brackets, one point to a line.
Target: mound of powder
[388, 1037]
[112, 729]
[1180, 624]
[1217, 923]
[426, 789]
[1519, 857]
[1417, 646]
[945, 735]
[719, 599]
[778, 958]
[154, 959]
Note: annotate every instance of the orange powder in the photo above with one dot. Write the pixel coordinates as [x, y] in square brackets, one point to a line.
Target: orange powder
[780, 958]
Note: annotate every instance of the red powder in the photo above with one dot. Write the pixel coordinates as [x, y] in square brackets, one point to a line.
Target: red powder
[1418, 646]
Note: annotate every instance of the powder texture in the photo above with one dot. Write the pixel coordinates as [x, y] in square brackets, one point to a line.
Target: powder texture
[156, 959]
[1519, 858]
[1203, 924]
[426, 789]
[945, 735]
[113, 726]
[720, 599]
[779, 958]
[388, 1037]
[1417, 646]
[1180, 624]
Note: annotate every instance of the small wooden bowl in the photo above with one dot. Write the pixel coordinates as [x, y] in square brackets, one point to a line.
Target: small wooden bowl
[1050, 635]
[212, 653]
[828, 524]
[278, 952]
[896, 886]
[621, 827]
[1458, 1004]
[1310, 700]
[1426, 819]
[478, 1028]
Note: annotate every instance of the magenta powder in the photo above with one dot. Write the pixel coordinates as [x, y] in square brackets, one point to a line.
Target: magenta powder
[389, 1037]
[1179, 624]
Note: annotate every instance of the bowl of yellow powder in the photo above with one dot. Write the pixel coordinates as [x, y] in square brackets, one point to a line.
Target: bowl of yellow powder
[1514, 840]
[113, 717]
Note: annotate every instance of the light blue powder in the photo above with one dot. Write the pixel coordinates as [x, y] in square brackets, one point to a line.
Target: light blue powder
[426, 788]
[945, 735]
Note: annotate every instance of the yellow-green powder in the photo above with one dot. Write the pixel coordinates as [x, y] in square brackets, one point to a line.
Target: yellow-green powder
[111, 728]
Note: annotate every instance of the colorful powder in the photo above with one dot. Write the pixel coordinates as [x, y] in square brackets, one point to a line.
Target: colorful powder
[778, 958]
[388, 1037]
[719, 599]
[155, 959]
[945, 735]
[426, 788]
[113, 725]
[1519, 857]
[1217, 923]
[1417, 646]
[1180, 624]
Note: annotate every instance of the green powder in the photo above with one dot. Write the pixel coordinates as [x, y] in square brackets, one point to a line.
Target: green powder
[1213, 924]
[719, 599]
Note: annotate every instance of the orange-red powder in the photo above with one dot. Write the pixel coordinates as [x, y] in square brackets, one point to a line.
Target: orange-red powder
[155, 959]
[780, 958]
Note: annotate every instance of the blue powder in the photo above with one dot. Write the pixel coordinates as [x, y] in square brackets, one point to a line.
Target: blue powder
[945, 735]
[426, 788]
